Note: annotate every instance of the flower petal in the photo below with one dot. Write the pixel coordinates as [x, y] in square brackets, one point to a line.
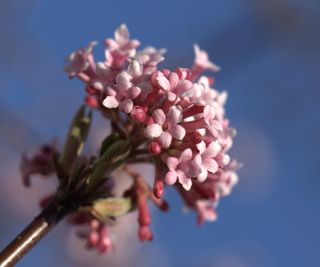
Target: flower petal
[171, 96]
[170, 178]
[123, 81]
[194, 166]
[159, 116]
[184, 180]
[165, 140]
[103, 72]
[212, 150]
[203, 175]
[201, 147]
[202, 59]
[153, 131]
[172, 163]
[209, 113]
[211, 165]
[173, 79]
[126, 105]
[110, 102]
[185, 155]
[206, 211]
[134, 92]
[197, 159]
[121, 35]
[163, 82]
[183, 86]
[135, 69]
[97, 85]
[178, 132]
[174, 115]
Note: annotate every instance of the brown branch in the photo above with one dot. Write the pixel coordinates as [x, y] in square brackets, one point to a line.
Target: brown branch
[34, 232]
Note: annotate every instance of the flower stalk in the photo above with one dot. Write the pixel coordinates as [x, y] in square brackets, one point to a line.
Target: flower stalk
[35, 231]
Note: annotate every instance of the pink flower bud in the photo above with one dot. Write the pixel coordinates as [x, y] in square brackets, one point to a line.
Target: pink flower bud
[160, 203]
[138, 114]
[154, 148]
[145, 233]
[144, 213]
[211, 81]
[158, 188]
[93, 239]
[90, 90]
[91, 101]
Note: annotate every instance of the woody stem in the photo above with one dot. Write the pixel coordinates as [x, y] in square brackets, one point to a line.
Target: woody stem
[35, 231]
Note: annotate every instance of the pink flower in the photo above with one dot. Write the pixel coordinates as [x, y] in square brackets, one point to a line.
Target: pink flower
[211, 97]
[183, 169]
[228, 178]
[204, 197]
[97, 237]
[102, 77]
[206, 159]
[123, 94]
[166, 127]
[206, 211]
[120, 48]
[80, 60]
[201, 63]
[211, 122]
[40, 163]
[149, 58]
[226, 136]
[172, 84]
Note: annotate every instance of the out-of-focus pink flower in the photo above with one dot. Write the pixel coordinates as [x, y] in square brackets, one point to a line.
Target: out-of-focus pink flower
[211, 121]
[120, 48]
[204, 197]
[97, 237]
[149, 58]
[144, 217]
[80, 60]
[201, 63]
[206, 211]
[40, 163]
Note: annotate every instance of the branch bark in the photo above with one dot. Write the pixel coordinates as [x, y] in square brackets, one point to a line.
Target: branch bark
[35, 231]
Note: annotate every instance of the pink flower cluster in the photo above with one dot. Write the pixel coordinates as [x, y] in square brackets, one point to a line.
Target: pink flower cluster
[181, 116]
[175, 120]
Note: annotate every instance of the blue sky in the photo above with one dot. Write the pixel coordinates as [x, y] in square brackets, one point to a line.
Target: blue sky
[269, 53]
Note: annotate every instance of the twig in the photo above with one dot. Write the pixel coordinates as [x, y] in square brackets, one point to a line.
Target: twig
[35, 231]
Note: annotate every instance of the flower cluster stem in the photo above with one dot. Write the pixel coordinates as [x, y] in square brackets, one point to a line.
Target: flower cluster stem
[34, 232]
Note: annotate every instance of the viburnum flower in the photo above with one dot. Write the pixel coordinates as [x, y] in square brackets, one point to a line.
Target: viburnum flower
[172, 119]
[183, 169]
[166, 127]
[202, 62]
[120, 48]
